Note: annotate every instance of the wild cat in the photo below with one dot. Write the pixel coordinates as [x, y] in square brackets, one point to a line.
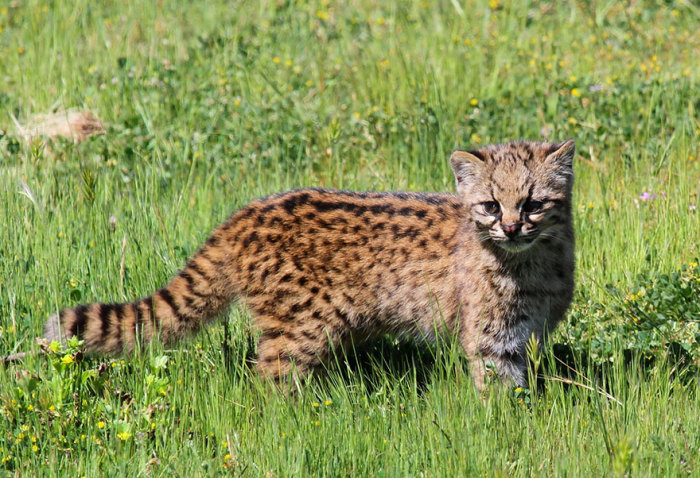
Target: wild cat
[319, 269]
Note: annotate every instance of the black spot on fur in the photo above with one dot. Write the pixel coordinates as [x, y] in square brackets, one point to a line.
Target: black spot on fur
[308, 335]
[286, 278]
[252, 237]
[382, 209]
[294, 201]
[247, 212]
[298, 307]
[270, 334]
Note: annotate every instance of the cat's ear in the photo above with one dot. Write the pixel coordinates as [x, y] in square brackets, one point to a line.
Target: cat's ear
[465, 165]
[561, 156]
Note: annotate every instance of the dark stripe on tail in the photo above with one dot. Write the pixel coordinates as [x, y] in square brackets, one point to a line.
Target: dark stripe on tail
[168, 298]
[208, 284]
[191, 283]
[104, 312]
[193, 266]
[119, 312]
[77, 328]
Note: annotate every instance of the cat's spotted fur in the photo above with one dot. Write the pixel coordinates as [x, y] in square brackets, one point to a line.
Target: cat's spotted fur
[492, 264]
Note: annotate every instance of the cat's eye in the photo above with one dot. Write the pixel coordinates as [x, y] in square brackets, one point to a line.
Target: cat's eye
[531, 206]
[491, 207]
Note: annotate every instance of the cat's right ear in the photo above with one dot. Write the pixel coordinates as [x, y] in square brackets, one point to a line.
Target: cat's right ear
[465, 165]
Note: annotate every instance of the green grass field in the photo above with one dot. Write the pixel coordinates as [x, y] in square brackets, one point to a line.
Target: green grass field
[208, 105]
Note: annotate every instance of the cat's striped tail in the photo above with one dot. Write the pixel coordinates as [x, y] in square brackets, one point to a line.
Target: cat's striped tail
[198, 293]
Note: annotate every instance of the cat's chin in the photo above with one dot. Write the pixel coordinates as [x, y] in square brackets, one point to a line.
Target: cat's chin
[514, 247]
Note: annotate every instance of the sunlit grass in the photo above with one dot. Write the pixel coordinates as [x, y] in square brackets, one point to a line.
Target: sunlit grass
[208, 105]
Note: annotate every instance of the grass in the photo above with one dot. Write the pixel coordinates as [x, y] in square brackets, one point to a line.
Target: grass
[208, 105]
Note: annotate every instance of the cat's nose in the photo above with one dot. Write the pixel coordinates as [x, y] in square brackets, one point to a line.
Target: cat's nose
[511, 230]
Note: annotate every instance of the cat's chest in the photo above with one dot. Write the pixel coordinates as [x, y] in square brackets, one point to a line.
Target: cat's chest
[515, 295]
[509, 311]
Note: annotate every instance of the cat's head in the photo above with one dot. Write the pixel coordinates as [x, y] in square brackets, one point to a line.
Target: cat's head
[517, 193]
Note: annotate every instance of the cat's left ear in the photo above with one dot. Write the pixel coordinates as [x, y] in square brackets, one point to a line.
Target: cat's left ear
[465, 165]
[561, 156]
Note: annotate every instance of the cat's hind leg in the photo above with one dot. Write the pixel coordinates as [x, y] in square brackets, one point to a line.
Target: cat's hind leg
[289, 350]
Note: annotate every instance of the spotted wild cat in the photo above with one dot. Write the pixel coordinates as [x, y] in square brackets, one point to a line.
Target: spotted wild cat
[491, 264]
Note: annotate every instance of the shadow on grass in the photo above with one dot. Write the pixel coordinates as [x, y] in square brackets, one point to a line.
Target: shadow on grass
[565, 362]
[389, 359]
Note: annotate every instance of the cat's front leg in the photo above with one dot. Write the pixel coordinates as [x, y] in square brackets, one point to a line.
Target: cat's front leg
[487, 367]
[495, 358]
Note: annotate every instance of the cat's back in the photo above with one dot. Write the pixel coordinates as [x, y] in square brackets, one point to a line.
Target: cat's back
[350, 218]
